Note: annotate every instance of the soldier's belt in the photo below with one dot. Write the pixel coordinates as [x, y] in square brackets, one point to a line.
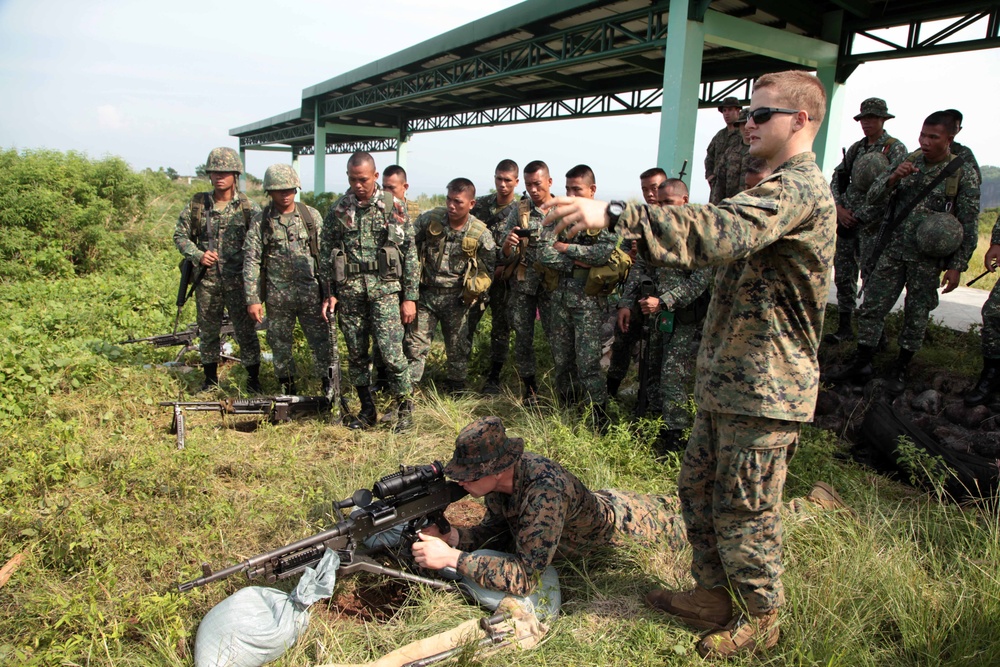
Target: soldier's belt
[354, 268]
[581, 274]
[441, 288]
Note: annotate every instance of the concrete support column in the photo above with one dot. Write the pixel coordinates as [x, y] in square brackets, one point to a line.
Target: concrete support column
[319, 156]
[243, 176]
[681, 81]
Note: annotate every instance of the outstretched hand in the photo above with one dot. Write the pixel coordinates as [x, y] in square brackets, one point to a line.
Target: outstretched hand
[575, 214]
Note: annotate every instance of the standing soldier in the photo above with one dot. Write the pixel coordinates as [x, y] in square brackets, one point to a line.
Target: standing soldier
[989, 379]
[577, 303]
[282, 272]
[210, 233]
[494, 209]
[933, 199]
[369, 256]
[731, 170]
[723, 139]
[519, 254]
[960, 150]
[457, 257]
[857, 221]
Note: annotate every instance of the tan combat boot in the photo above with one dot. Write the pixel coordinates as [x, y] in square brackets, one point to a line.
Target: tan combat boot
[826, 497]
[699, 607]
[745, 634]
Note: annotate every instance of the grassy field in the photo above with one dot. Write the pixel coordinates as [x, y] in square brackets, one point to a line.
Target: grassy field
[109, 515]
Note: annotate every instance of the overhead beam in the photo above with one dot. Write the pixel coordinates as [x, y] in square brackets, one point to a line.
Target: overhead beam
[779, 44]
[859, 8]
[796, 13]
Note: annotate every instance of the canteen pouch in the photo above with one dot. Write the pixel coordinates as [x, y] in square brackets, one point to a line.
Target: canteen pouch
[390, 263]
[339, 265]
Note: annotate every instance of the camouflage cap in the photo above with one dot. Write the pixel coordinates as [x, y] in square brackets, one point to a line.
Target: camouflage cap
[939, 235]
[482, 448]
[874, 106]
[743, 117]
[224, 159]
[281, 177]
[729, 102]
[867, 168]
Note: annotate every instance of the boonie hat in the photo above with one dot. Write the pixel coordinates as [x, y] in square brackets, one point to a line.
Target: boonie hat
[482, 448]
[874, 106]
[729, 102]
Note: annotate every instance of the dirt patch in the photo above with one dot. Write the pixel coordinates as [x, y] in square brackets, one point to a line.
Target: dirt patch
[368, 601]
[465, 512]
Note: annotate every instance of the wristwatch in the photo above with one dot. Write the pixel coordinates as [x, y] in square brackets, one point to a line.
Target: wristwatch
[615, 210]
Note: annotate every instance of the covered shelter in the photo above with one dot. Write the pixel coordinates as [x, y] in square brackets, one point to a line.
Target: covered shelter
[542, 60]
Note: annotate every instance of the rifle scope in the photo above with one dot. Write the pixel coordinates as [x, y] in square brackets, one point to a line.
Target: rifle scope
[408, 478]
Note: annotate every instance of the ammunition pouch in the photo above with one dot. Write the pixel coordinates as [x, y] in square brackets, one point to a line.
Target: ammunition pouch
[550, 277]
[477, 279]
[339, 265]
[602, 280]
[390, 263]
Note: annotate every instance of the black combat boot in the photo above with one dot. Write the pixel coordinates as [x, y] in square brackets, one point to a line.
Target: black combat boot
[530, 398]
[367, 415]
[859, 371]
[253, 379]
[989, 382]
[896, 381]
[492, 385]
[844, 331]
[404, 415]
[211, 377]
[287, 385]
[670, 440]
[381, 377]
[613, 386]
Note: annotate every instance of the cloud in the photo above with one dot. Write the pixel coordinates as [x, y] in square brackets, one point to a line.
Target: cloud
[109, 117]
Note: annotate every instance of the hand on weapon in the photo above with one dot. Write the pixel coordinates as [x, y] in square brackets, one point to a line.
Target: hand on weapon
[650, 305]
[434, 553]
[209, 258]
[328, 308]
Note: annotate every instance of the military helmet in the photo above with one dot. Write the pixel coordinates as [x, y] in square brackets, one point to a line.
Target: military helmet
[281, 177]
[224, 159]
[481, 449]
[939, 235]
[867, 168]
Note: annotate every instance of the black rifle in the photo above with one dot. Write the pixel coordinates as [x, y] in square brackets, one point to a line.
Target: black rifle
[413, 498]
[192, 274]
[186, 338]
[647, 288]
[275, 408]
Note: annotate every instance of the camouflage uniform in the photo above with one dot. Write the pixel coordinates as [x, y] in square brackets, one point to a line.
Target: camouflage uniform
[757, 373]
[730, 174]
[526, 293]
[902, 264]
[222, 286]
[551, 514]
[277, 245]
[575, 319]
[723, 141]
[621, 348]
[853, 249]
[367, 305]
[961, 150]
[991, 310]
[442, 272]
[495, 217]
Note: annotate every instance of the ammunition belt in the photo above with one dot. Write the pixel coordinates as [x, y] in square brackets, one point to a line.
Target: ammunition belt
[354, 268]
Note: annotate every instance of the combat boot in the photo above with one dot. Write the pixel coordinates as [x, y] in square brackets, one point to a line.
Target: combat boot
[844, 331]
[745, 634]
[613, 386]
[670, 440]
[381, 378]
[859, 371]
[699, 607]
[253, 379]
[989, 382]
[211, 377]
[530, 398]
[492, 385]
[287, 385]
[827, 498]
[404, 416]
[367, 415]
[896, 382]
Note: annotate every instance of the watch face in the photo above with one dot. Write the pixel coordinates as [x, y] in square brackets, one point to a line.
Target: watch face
[615, 208]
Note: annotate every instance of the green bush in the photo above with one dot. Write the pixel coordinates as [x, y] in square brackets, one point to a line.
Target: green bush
[63, 214]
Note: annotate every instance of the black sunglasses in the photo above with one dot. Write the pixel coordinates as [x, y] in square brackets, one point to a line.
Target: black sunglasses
[761, 115]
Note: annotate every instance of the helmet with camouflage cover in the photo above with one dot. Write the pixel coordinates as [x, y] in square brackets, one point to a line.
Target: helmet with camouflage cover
[867, 168]
[481, 449]
[939, 235]
[224, 159]
[281, 177]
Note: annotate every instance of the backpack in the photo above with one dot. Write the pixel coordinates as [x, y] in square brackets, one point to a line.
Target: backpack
[202, 202]
[303, 212]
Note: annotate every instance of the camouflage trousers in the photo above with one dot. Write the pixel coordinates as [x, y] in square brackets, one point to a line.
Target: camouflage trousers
[920, 278]
[499, 305]
[676, 350]
[574, 332]
[297, 301]
[621, 348]
[849, 260]
[991, 324]
[213, 295]
[730, 487]
[646, 519]
[523, 308]
[444, 305]
[361, 319]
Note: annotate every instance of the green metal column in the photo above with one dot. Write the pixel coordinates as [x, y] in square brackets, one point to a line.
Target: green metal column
[319, 156]
[827, 144]
[401, 149]
[243, 176]
[681, 80]
[295, 166]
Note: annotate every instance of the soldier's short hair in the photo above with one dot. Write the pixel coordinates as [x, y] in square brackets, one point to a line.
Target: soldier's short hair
[797, 90]
[394, 170]
[463, 185]
[675, 184]
[944, 119]
[360, 159]
[536, 166]
[584, 172]
[651, 173]
[506, 167]
[756, 165]
[956, 115]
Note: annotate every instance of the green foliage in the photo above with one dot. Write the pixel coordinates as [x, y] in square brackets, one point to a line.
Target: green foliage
[64, 213]
[990, 187]
[321, 202]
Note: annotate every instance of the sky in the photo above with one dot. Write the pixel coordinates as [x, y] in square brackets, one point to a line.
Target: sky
[160, 84]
